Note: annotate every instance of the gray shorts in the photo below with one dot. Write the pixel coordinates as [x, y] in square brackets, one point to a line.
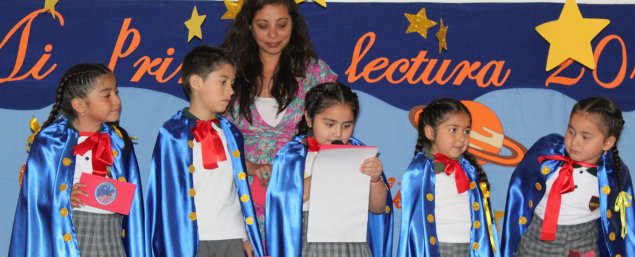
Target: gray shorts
[454, 249]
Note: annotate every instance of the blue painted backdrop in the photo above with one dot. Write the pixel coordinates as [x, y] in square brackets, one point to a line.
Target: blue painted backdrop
[365, 43]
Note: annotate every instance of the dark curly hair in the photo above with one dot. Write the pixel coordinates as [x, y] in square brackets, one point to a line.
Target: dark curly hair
[243, 48]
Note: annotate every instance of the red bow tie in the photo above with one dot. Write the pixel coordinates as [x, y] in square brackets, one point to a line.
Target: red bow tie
[212, 147]
[563, 184]
[102, 151]
[313, 144]
[452, 165]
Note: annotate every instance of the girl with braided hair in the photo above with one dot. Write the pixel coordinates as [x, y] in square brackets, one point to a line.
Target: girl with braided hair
[330, 113]
[571, 196]
[445, 192]
[78, 137]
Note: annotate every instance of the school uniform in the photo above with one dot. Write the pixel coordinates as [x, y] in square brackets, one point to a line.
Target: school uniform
[196, 206]
[587, 222]
[286, 221]
[440, 218]
[45, 223]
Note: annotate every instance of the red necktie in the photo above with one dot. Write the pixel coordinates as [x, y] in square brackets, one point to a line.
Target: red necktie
[313, 144]
[562, 185]
[452, 165]
[212, 147]
[102, 151]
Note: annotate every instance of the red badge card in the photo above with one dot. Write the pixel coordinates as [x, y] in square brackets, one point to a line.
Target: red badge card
[258, 193]
[107, 194]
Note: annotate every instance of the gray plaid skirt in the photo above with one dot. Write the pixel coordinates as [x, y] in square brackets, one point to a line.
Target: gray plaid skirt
[581, 238]
[98, 235]
[221, 248]
[331, 249]
[454, 249]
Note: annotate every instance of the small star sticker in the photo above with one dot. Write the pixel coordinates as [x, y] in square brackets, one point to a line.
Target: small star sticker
[233, 7]
[570, 36]
[419, 23]
[49, 5]
[320, 2]
[194, 25]
[441, 35]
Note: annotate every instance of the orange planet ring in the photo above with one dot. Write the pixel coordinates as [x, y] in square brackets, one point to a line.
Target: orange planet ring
[517, 153]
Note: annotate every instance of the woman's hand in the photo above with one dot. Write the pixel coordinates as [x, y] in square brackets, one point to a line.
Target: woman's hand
[307, 189]
[248, 248]
[75, 193]
[261, 171]
[373, 168]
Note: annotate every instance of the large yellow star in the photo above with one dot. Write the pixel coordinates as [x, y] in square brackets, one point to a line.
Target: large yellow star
[194, 25]
[49, 5]
[233, 7]
[419, 23]
[320, 2]
[570, 36]
[441, 36]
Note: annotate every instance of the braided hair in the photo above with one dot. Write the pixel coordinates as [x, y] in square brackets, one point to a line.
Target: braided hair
[611, 117]
[75, 83]
[324, 96]
[437, 112]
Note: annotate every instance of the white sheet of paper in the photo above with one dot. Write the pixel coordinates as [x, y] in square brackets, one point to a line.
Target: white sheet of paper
[338, 205]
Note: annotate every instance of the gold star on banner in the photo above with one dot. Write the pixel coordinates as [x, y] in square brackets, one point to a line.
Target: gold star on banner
[419, 23]
[441, 35]
[194, 25]
[320, 2]
[49, 5]
[570, 36]
[233, 7]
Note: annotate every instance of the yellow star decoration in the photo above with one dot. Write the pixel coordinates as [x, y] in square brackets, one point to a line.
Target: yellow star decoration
[441, 34]
[233, 7]
[320, 2]
[194, 25]
[49, 5]
[570, 36]
[419, 23]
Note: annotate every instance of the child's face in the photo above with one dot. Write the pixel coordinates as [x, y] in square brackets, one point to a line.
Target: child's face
[102, 102]
[271, 28]
[452, 136]
[216, 90]
[585, 138]
[333, 123]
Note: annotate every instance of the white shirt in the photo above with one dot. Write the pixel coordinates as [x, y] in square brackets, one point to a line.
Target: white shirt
[218, 212]
[268, 109]
[575, 205]
[451, 211]
[84, 164]
[308, 171]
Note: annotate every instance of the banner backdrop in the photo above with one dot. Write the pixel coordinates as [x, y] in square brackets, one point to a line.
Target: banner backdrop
[495, 61]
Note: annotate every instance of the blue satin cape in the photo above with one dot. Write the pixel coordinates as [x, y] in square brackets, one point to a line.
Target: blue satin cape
[526, 189]
[418, 235]
[43, 224]
[284, 207]
[171, 222]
